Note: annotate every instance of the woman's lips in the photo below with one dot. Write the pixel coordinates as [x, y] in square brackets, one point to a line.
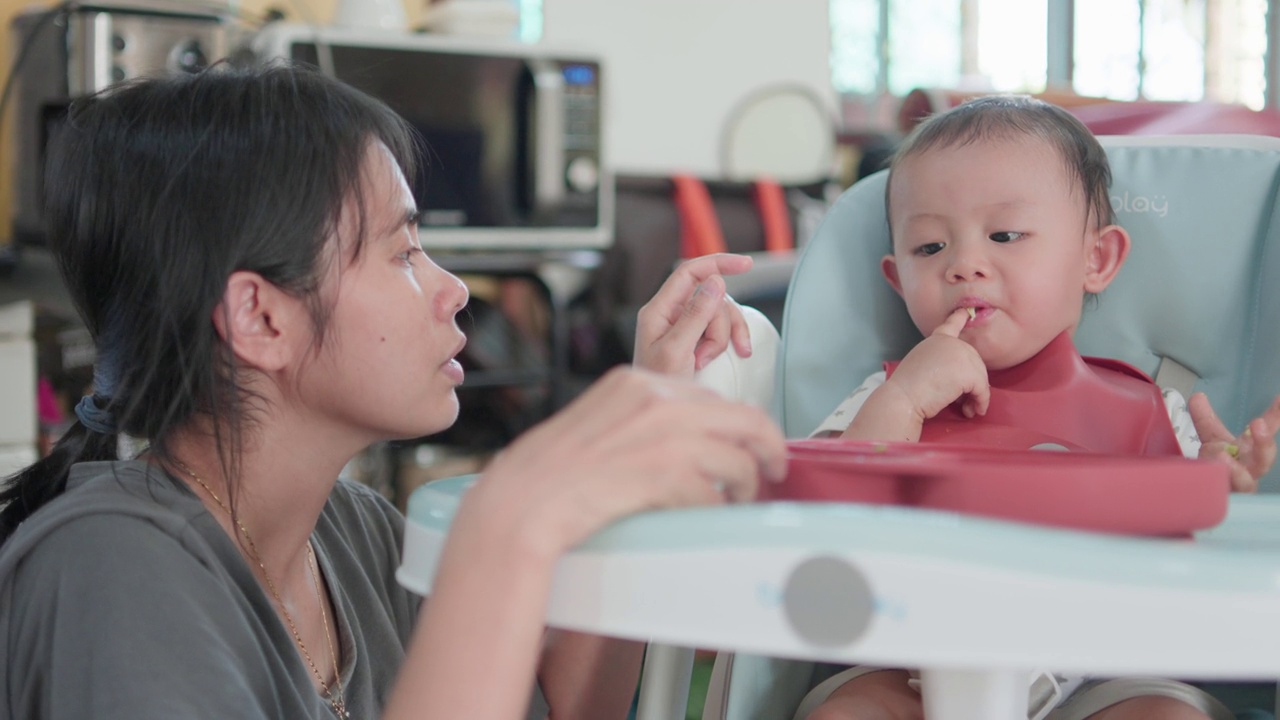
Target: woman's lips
[451, 367]
[453, 370]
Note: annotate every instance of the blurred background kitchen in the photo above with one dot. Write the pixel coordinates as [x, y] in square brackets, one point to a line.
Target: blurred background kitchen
[580, 148]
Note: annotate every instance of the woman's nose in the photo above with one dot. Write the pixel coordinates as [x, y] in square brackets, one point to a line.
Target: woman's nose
[452, 296]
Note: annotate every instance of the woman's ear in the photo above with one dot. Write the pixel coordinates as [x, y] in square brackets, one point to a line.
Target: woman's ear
[262, 324]
[1104, 258]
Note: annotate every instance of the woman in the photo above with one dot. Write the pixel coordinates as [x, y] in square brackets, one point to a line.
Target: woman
[243, 247]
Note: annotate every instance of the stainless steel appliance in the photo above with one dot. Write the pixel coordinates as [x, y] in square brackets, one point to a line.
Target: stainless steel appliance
[70, 51]
[514, 156]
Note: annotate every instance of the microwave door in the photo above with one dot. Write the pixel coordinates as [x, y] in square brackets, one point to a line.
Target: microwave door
[547, 154]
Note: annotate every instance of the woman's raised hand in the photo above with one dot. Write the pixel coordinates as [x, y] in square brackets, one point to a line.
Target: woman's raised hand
[691, 320]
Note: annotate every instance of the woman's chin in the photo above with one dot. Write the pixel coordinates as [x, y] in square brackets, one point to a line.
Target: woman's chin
[444, 417]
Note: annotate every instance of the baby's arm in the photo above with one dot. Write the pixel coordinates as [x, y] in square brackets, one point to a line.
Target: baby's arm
[1250, 455]
[835, 424]
[933, 375]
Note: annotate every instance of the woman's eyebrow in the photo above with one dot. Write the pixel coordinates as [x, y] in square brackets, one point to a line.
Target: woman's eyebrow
[410, 216]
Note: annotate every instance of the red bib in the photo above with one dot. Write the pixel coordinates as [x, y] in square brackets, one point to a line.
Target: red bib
[1060, 400]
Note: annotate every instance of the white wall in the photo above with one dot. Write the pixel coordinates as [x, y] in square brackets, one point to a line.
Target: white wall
[675, 69]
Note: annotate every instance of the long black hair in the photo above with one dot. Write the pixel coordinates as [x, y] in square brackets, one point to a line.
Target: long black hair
[156, 191]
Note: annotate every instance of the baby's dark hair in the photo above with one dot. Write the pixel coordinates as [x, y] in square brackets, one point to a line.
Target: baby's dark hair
[1002, 117]
[156, 192]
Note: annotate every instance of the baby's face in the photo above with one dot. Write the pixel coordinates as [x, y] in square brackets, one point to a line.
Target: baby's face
[997, 226]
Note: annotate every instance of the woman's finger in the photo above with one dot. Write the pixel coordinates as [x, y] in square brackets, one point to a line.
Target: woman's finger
[632, 411]
[667, 305]
[699, 315]
[733, 472]
[715, 337]
[619, 398]
[739, 331]
[706, 419]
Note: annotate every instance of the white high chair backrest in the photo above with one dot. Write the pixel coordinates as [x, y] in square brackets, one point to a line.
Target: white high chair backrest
[1201, 286]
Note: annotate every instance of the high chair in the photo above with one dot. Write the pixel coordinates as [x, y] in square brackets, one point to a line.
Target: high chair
[977, 604]
[1194, 306]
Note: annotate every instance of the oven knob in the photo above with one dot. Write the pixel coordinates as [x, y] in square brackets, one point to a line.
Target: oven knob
[582, 174]
[188, 57]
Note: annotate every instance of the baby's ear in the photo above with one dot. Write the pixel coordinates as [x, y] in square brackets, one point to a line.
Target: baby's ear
[889, 269]
[1105, 252]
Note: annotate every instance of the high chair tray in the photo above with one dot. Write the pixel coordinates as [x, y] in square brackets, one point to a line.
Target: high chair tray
[910, 587]
[1161, 496]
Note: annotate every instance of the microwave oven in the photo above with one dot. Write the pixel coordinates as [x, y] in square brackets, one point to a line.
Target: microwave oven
[73, 50]
[513, 156]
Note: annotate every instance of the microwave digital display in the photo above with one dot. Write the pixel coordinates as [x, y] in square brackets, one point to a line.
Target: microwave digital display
[580, 75]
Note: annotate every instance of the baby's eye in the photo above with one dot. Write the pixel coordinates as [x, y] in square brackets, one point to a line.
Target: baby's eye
[930, 249]
[1005, 236]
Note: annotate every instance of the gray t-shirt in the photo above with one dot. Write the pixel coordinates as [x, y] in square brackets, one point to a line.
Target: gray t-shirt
[125, 599]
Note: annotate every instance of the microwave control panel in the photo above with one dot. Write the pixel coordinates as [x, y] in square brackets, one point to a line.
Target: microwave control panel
[582, 126]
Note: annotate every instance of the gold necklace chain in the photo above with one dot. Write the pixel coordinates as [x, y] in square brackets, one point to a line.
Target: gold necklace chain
[332, 694]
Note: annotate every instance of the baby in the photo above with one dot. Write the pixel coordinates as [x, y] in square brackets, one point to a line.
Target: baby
[1001, 221]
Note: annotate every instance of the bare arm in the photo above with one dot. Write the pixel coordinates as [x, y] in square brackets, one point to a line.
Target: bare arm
[588, 677]
[634, 441]
[688, 322]
[888, 414]
[477, 641]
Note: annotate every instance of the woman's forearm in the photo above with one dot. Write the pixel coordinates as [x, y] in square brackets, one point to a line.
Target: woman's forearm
[475, 649]
[588, 677]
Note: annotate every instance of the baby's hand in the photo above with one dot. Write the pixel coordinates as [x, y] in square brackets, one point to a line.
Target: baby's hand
[1250, 455]
[943, 368]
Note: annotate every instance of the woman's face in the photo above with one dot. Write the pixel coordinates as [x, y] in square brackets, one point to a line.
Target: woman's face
[387, 366]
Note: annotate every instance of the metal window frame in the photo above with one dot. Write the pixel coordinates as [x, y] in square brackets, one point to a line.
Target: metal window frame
[1060, 47]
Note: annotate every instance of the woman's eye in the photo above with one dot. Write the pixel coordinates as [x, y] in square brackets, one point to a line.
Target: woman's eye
[930, 249]
[1005, 236]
